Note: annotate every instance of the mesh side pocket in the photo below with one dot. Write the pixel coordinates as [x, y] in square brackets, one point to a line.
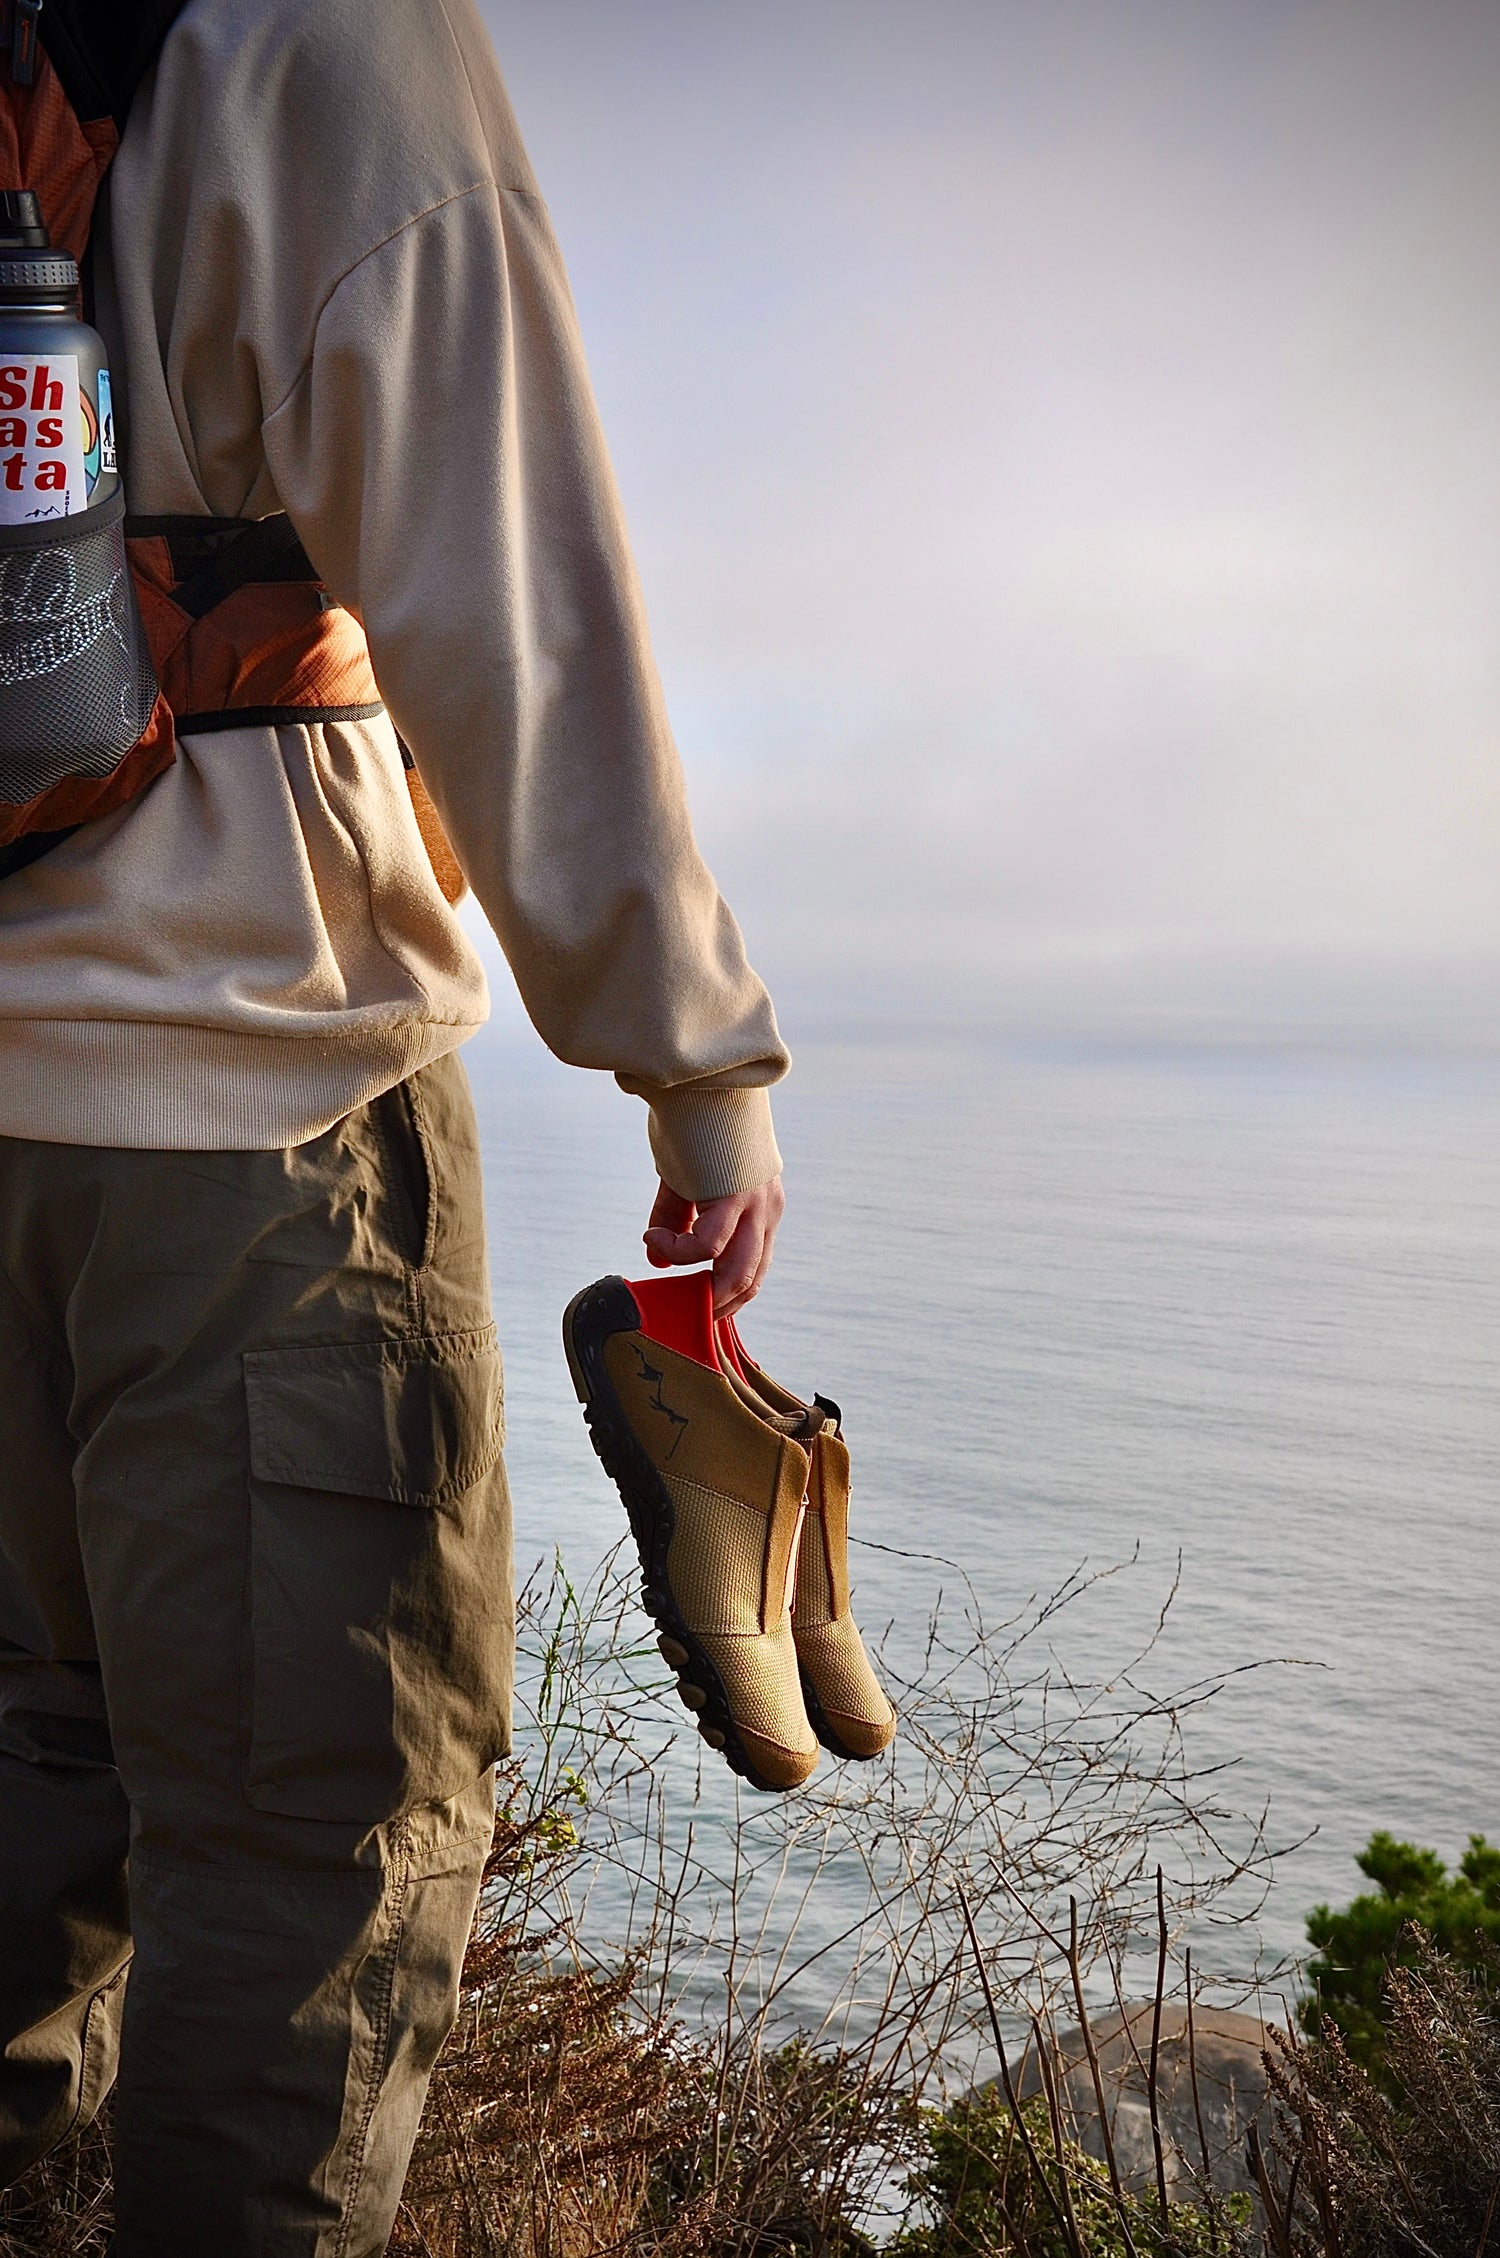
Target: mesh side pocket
[76, 681]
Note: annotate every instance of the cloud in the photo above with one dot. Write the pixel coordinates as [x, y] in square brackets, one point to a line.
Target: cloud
[1059, 444]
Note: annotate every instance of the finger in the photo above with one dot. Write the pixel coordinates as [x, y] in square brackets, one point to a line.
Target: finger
[767, 1245]
[740, 1301]
[671, 1215]
[670, 1211]
[718, 1221]
[774, 1201]
[666, 1248]
[734, 1271]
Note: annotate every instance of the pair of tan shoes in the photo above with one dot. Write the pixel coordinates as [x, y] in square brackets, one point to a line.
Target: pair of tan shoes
[738, 1495]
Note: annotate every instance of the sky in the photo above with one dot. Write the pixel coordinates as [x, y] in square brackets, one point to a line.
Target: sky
[1059, 439]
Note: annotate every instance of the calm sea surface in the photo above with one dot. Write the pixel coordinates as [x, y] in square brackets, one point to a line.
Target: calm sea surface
[1237, 1304]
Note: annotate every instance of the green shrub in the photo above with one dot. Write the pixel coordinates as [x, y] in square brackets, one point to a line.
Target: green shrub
[1409, 2168]
[1358, 1946]
[986, 2197]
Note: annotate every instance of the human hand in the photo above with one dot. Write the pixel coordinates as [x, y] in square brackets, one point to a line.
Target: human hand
[735, 1233]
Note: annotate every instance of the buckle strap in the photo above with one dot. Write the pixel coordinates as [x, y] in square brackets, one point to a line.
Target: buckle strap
[23, 38]
[215, 556]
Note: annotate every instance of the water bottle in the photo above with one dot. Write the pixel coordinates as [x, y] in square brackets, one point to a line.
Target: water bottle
[77, 686]
[57, 425]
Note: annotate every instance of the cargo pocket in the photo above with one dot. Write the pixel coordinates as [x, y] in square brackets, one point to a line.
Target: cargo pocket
[381, 1623]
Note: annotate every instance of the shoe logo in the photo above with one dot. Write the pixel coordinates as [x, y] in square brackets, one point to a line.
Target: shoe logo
[654, 1377]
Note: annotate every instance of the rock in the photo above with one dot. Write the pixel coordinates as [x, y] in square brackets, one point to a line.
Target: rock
[1231, 2093]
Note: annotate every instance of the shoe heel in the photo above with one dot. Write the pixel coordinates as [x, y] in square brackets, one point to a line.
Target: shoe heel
[575, 1369]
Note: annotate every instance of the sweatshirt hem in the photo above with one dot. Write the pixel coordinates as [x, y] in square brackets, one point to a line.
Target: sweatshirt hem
[165, 1086]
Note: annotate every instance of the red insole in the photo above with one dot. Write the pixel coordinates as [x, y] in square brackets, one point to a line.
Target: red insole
[678, 1311]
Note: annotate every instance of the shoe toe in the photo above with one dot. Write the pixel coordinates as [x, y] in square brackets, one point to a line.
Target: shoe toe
[763, 1689]
[862, 1737]
[860, 1722]
[777, 1766]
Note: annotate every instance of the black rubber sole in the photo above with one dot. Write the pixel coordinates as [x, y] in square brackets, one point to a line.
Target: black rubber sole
[590, 1319]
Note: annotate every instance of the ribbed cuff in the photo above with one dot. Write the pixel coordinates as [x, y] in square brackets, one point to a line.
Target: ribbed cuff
[708, 1143]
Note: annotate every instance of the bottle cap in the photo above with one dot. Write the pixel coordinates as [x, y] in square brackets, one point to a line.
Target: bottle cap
[30, 269]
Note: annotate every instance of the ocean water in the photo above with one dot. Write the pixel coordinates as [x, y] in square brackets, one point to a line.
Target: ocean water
[1232, 1309]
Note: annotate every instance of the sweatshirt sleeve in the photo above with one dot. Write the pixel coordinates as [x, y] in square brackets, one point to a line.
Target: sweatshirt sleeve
[441, 456]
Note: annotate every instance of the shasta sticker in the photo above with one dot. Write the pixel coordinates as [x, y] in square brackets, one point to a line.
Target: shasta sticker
[42, 438]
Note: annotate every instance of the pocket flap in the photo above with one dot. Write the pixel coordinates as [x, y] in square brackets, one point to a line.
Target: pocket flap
[417, 1419]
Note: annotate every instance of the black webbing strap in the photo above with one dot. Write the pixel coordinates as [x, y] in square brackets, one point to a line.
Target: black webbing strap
[30, 847]
[221, 718]
[102, 49]
[212, 557]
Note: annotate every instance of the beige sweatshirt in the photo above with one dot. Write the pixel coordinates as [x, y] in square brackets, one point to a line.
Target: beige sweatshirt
[330, 287]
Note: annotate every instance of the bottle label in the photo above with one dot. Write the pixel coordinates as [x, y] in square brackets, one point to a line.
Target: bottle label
[43, 438]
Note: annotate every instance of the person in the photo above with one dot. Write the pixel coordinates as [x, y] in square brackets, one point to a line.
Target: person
[255, 1613]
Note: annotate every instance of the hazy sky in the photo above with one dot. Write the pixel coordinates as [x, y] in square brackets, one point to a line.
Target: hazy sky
[1060, 441]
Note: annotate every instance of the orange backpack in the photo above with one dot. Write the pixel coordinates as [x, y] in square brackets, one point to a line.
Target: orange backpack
[239, 626]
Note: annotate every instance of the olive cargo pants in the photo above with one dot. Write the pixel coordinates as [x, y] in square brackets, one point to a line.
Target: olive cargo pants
[256, 1635]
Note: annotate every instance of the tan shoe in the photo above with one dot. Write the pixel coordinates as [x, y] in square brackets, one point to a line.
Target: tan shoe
[715, 1492]
[845, 1701]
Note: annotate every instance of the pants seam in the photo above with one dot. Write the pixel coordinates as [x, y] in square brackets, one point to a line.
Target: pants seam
[402, 1858]
[384, 2008]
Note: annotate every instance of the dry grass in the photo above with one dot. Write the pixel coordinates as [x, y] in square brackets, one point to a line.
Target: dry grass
[551, 2100]
[700, 2024]
[63, 2208]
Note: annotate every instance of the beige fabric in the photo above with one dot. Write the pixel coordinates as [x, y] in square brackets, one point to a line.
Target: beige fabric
[828, 1492]
[329, 285]
[814, 1600]
[716, 1559]
[833, 1655]
[829, 1647]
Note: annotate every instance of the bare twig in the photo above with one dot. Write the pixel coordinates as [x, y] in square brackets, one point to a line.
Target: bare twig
[1068, 2233]
[1152, 2097]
